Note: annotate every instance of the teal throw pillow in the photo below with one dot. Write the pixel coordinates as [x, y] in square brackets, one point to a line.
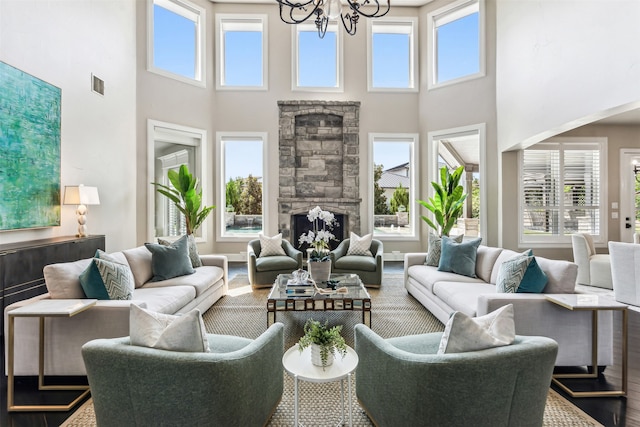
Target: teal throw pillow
[117, 278]
[521, 274]
[459, 258]
[435, 248]
[91, 281]
[194, 256]
[170, 261]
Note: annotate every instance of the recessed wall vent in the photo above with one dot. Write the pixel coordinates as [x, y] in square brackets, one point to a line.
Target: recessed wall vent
[97, 85]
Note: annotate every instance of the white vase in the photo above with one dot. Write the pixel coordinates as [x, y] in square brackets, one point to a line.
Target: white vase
[319, 270]
[316, 358]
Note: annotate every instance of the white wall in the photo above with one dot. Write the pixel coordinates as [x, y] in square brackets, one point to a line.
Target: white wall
[561, 61]
[63, 42]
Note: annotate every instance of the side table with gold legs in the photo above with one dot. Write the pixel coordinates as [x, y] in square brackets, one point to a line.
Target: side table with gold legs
[42, 309]
[593, 303]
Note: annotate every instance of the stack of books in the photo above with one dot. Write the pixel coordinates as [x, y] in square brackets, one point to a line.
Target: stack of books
[300, 289]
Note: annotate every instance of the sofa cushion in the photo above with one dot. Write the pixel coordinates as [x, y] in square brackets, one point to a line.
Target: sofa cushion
[485, 260]
[91, 280]
[504, 255]
[356, 262]
[166, 299]
[201, 280]
[561, 275]
[168, 332]
[194, 256]
[463, 333]
[139, 260]
[427, 275]
[435, 248]
[63, 279]
[360, 245]
[271, 246]
[170, 261]
[279, 262]
[462, 296]
[459, 257]
[117, 278]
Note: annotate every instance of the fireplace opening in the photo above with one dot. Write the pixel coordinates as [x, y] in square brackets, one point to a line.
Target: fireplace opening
[301, 225]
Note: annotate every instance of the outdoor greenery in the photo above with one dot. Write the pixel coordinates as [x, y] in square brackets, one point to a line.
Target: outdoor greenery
[244, 195]
[329, 339]
[185, 195]
[380, 200]
[400, 198]
[447, 202]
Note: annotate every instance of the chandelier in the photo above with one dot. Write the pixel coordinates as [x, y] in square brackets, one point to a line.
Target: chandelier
[329, 10]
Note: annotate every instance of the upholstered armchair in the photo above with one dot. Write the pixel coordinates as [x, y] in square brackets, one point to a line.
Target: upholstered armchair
[404, 382]
[625, 272]
[368, 268]
[263, 271]
[593, 269]
[238, 383]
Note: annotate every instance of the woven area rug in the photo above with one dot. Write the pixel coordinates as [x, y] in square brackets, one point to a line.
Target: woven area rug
[394, 313]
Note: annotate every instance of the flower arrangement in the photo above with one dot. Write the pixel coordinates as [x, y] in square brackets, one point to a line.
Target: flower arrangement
[320, 236]
[328, 339]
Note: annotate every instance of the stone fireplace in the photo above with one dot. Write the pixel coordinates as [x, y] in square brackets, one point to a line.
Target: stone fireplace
[319, 162]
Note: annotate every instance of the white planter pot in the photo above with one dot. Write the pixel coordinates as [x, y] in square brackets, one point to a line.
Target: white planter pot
[319, 270]
[316, 358]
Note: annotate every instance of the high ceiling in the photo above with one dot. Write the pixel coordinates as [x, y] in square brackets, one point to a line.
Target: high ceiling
[394, 3]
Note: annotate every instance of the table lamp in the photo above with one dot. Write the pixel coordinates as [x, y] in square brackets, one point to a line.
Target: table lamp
[81, 195]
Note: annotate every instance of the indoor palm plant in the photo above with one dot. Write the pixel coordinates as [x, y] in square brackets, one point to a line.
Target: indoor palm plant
[185, 195]
[447, 202]
[325, 342]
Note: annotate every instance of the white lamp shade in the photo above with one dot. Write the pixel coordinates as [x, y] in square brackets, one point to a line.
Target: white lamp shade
[81, 195]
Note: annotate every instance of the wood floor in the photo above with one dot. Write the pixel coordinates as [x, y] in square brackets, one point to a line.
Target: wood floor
[608, 411]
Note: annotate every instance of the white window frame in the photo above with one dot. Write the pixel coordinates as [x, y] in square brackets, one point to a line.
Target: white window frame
[222, 236]
[414, 140]
[189, 11]
[245, 22]
[560, 240]
[408, 25]
[434, 174]
[445, 15]
[183, 135]
[295, 31]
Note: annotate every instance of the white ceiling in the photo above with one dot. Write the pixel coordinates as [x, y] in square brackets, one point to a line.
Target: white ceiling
[394, 3]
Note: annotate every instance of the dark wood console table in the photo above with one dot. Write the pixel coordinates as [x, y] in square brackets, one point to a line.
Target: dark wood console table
[21, 264]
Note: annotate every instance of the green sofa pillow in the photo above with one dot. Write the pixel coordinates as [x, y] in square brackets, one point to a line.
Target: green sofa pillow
[170, 261]
[91, 280]
[521, 274]
[459, 258]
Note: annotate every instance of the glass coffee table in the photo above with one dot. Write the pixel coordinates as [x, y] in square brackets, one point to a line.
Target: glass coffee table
[352, 297]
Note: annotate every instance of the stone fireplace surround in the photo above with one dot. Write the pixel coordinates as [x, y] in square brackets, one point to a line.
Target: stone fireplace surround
[319, 158]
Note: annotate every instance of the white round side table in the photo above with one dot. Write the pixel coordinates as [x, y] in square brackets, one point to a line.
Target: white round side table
[298, 365]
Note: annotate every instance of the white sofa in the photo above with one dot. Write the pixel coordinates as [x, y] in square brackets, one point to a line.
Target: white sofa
[442, 293]
[108, 318]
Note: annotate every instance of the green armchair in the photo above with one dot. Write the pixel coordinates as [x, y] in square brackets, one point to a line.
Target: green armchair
[263, 271]
[238, 383]
[403, 382]
[368, 268]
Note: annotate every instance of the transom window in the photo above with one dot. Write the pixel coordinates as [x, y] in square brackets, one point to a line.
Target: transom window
[241, 215]
[392, 53]
[317, 62]
[457, 47]
[242, 51]
[561, 191]
[394, 186]
[176, 40]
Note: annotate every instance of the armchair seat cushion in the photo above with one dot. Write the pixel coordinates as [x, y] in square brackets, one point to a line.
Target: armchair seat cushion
[356, 262]
[276, 262]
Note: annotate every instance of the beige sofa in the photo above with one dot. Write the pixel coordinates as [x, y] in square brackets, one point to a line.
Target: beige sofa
[442, 293]
[108, 318]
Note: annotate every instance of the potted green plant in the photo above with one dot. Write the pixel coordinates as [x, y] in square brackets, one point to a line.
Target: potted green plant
[447, 202]
[185, 195]
[325, 342]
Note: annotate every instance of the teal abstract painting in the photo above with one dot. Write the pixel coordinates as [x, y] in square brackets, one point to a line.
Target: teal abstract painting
[29, 151]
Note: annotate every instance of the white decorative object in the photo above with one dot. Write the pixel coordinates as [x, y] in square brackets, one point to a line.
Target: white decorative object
[319, 270]
[316, 357]
[81, 195]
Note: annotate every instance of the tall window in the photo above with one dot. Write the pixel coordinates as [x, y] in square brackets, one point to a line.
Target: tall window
[242, 51]
[176, 40]
[457, 47]
[392, 54]
[561, 191]
[317, 63]
[241, 174]
[394, 186]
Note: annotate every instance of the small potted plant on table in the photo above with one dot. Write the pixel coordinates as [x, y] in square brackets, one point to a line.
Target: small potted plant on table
[324, 342]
